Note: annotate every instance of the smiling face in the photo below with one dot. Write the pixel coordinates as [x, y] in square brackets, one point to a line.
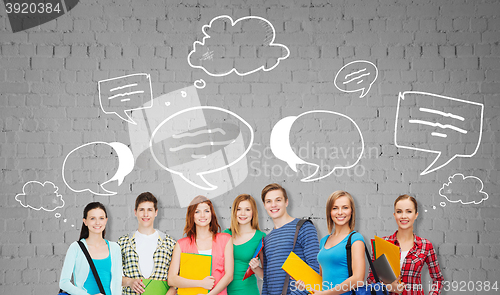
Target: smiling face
[244, 212]
[275, 204]
[405, 214]
[202, 215]
[96, 221]
[146, 214]
[341, 211]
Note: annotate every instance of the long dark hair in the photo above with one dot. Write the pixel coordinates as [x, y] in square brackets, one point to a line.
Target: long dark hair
[84, 233]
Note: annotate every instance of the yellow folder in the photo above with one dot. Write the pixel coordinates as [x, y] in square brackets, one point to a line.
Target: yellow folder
[299, 270]
[194, 267]
[391, 251]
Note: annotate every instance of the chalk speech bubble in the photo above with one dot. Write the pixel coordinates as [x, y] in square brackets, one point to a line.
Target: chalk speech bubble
[125, 94]
[463, 189]
[251, 33]
[356, 76]
[340, 145]
[40, 196]
[198, 149]
[88, 159]
[446, 126]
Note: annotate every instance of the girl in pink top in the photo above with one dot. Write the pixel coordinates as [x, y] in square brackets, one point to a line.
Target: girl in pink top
[204, 237]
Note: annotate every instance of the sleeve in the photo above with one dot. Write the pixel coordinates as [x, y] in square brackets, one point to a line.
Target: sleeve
[434, 271]
[308, 239]
[116, 269]
[67, 271]
[227, 231]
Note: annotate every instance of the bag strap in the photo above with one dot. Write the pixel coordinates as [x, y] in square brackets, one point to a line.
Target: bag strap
[92, 266]
[297, 228]
[368, 256]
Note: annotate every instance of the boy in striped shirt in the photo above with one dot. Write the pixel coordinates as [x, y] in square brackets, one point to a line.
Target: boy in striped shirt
[279, 242]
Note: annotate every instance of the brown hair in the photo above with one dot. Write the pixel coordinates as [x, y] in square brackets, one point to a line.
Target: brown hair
[273, 187]
[407, 197]
[329, 205]
[146, 197]
[190, 228]
[234, 210]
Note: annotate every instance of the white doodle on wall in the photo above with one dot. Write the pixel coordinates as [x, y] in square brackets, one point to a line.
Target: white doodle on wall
[83, 163]
[40, 196]
[338, 132]
[446, 126]
[125, 94]
[199, 148]
[356, 76]
[150, 119]
[252, 35]
[463, 189]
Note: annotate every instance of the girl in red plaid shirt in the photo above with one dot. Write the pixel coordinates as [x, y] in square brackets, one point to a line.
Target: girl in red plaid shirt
[415, 252]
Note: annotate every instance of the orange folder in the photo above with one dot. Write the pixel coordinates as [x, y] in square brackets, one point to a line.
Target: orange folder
[299, 270]
[391, 251]
[194, 267]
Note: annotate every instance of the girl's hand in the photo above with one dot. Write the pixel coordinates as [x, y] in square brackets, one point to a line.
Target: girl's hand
[208, 283]
[254, 263]
[301, 286]
[396, 286]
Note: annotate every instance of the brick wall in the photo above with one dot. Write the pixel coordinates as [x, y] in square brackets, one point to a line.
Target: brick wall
[49, 105]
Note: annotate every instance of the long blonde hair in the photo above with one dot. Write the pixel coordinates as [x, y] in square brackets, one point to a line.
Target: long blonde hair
[329, 205]
[234, 210]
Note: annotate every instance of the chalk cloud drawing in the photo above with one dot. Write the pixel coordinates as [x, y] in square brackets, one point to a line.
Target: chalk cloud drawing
[87, 162]
[299, 134]
[40, 196]
[252, 34]
[463, 189]
[125, 94]
[187, 116]
[358, 75]
[446, 126]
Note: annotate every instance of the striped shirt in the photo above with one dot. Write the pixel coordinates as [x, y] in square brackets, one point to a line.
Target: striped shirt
[278, 245]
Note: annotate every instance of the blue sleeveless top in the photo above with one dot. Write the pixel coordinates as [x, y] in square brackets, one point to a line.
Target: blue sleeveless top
[103, 267]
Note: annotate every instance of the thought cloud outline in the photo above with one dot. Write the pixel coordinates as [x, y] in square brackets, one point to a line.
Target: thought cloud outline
[363, 90]
[125, 166]
[450, 181]
[428, 170]
[234, 70]
[209, 186]
[56, 189]
[126, 116]
[281, 134]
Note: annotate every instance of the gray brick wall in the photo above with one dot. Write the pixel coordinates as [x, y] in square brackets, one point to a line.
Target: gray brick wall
[49, 105]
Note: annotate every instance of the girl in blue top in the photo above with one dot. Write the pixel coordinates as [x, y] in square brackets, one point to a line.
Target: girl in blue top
[332, 257]
[105, 255]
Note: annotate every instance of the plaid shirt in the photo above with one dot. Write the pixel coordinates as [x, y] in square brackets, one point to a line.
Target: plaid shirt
[130, 258]
[411, 270]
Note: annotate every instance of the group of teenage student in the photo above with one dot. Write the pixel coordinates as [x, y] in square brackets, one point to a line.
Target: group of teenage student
[149, 253]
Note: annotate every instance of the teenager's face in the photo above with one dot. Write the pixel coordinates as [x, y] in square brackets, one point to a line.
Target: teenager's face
[96, 220]
[275, 204]
[405, 214]
[146, 214]
[244, 212]
[341, 211]
[202, 215]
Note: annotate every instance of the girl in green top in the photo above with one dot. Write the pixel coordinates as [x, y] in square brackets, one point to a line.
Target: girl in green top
[246, 237]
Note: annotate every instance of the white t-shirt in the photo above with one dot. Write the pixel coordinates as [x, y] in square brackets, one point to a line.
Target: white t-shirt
[145, 247]
[403, 256]
[205, 252]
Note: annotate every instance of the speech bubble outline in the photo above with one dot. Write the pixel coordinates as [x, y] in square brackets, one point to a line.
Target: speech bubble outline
[428, 170]
[56, 189]
[364, 90]
[450, 181]
[281, 134]
[209, 186]
[126, 117]
[125, 166]
[234, 70]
